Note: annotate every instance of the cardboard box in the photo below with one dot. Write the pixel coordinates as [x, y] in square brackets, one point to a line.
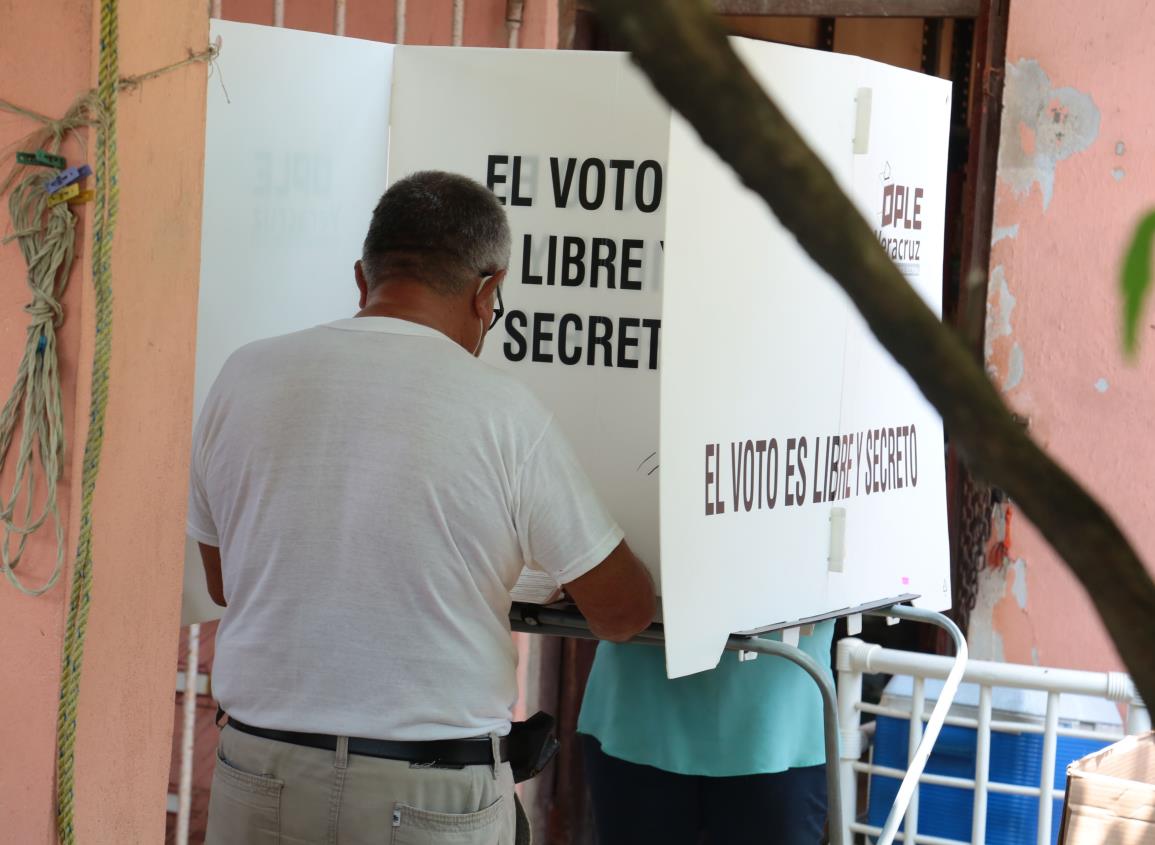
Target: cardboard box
[1111, 795]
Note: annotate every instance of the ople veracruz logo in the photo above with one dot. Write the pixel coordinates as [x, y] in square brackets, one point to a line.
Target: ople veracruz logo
[900, 222]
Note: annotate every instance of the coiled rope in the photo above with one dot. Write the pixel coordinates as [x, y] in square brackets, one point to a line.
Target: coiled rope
[46, 236]
[47, 240]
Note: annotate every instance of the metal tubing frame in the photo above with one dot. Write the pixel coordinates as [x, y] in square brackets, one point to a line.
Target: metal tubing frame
[1116, 686]
[850, 724]
[856, 658]
[914, 728]
[955, 782]
[1047, 775]
[1138, 717]
[995, 725]
[551, 622]
[835, 807]
[982, 768]
[907, 790]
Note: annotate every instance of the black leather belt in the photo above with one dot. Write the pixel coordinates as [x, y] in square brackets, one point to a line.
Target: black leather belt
[445, 752]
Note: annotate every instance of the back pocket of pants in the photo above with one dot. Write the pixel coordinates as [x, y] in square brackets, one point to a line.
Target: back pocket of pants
[414, 826]
[244, 808]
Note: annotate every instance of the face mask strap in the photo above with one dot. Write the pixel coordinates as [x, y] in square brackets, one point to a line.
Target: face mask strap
[481, 320]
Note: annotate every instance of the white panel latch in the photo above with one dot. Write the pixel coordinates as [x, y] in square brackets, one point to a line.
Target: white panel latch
[862, 104]
[837, 556]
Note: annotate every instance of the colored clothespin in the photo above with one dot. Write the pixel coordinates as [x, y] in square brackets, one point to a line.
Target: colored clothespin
[84, 196]
[41, 159]
[63, 195]
[67, 177]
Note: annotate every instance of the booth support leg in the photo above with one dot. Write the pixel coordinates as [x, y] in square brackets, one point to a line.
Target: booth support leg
[934, 724]
[834, 808]
[555, 623]
[850, 731]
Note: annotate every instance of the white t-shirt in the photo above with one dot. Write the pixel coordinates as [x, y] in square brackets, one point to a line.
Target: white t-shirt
[375, 490]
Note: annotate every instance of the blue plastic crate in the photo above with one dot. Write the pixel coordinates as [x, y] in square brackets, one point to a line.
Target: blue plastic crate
[946, 811]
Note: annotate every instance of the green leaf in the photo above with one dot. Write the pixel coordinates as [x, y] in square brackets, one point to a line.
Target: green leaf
[1136, 281]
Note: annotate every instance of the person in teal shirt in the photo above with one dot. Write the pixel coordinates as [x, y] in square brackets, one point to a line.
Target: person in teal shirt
[735, 755]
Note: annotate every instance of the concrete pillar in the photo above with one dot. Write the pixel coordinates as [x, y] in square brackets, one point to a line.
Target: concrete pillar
[48, 56]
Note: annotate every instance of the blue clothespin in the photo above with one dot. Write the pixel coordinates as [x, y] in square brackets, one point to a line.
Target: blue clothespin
[67, 177]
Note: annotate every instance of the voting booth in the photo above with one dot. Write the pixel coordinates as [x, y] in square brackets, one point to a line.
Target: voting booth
[767, 459]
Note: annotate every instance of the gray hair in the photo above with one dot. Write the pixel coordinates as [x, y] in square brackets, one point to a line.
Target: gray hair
[441, 228]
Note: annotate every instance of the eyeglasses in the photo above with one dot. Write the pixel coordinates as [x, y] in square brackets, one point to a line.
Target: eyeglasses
[499, 308]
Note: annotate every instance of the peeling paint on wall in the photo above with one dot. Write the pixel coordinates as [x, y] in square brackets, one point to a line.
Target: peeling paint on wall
[1041, 126]
[1019, 587]
[1001, 627]
[1014, 368]
[1001, 303]
[985, 642]
[1002, 232]
[1000, 308]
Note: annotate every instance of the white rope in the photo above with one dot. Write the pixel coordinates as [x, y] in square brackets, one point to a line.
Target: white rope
[47, 240]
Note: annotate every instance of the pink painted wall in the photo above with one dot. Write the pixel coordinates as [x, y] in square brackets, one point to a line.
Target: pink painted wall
[31, 629]
[125, 717]
[129, 672]
[1076, 170]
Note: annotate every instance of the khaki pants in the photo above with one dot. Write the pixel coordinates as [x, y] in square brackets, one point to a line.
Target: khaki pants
[267, 792]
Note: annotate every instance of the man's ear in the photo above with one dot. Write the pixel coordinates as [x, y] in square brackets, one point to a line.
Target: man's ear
[362, 284]
[484, 300]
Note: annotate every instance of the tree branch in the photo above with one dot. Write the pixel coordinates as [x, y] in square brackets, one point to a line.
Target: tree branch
[683, 49]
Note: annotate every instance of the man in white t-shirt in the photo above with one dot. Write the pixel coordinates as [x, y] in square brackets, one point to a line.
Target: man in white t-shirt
[365, 494]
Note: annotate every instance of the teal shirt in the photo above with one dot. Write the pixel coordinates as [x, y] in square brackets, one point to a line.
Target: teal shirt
[757, 717]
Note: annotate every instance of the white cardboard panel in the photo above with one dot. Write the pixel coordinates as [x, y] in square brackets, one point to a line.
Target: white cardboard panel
[754, 349]
[295, 160]
[896, 517]
[452, 110]
[761, 345]
[756, 343]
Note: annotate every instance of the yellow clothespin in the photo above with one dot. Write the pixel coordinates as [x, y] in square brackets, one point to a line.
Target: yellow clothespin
[63, 195]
